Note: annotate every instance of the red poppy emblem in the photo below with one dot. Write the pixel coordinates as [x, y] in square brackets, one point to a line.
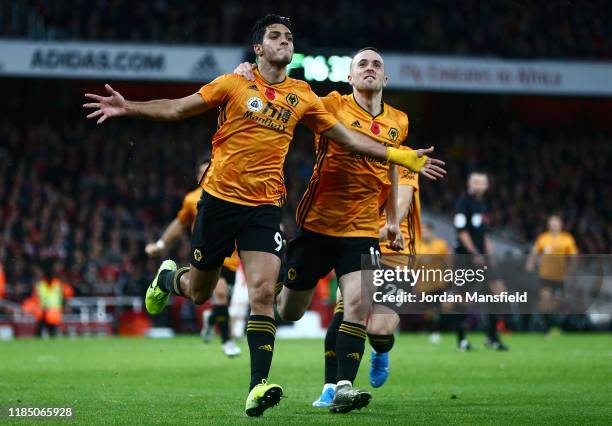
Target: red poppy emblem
[375, 128]
[270, 93]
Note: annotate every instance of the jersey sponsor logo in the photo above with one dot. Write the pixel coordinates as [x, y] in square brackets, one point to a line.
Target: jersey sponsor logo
[266, 348]
[393, 133]
[276, 112]
[292, 274]
[356, 124]
[292, 99]
[270, 116]
[270, 93]
[254, 104]
[375, 128]
[253, 87]
[267, 122]
[408, 174]
[197, 255]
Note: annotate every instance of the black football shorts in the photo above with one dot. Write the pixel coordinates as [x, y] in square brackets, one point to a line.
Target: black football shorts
[221, 225]
[311, 256]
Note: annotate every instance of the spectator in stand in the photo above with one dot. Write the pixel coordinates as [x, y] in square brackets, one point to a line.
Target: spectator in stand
[466, 27]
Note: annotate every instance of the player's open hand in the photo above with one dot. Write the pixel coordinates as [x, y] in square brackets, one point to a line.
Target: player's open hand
[245, 70]
[105, 107]
[433, 168]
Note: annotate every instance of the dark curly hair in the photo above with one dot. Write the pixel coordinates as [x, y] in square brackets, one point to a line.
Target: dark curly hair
[259, 29]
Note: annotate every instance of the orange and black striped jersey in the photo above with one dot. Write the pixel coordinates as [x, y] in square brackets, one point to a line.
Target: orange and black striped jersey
[411, 225]
[433, 255]
[255, 128]
[553, 249]
[189, 208]
[342, 196]
[187, 215]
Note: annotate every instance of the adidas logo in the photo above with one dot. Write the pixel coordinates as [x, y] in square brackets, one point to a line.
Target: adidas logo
[253, 87]
[356, 124]
[268, 348]
[330, 354]
[205, 66]
[354, 355]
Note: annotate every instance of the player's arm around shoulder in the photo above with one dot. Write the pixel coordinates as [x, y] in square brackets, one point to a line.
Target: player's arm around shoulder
[332, 102]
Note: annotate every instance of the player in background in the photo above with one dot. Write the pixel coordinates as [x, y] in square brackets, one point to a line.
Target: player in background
[183, 223]
[471, 220]
[432, 244]
[554, 246]
[244, 186]
[434, 254]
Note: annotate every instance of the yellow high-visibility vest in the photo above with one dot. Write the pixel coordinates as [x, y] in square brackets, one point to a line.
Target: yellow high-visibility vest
[50, 296]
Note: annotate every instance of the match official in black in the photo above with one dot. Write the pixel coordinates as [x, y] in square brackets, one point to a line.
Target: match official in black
[471, 222]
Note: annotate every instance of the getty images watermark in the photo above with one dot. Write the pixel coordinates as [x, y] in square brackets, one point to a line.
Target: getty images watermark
[434, 278]
[508, 284]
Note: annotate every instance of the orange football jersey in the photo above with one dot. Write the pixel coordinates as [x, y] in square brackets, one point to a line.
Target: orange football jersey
[433, 256]
[189, 208]
[255, 127]
[437, 246]
[411, 226]
[186, 216]
[553, 249]
[342, 196]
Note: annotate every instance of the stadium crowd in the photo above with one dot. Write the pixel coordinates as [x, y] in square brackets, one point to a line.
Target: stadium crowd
[470, 27]
[532, 176]
[89, 199]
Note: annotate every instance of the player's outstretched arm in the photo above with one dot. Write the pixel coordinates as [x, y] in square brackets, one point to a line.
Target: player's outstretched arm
[415, 160]
[115, 105]
[172, 232]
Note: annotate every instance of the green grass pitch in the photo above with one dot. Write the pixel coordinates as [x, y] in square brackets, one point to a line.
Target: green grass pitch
[567, 379]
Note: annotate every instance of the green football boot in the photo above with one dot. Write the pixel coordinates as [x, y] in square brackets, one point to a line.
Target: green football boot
[348, 399]
[262, 397]
[156, 298]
